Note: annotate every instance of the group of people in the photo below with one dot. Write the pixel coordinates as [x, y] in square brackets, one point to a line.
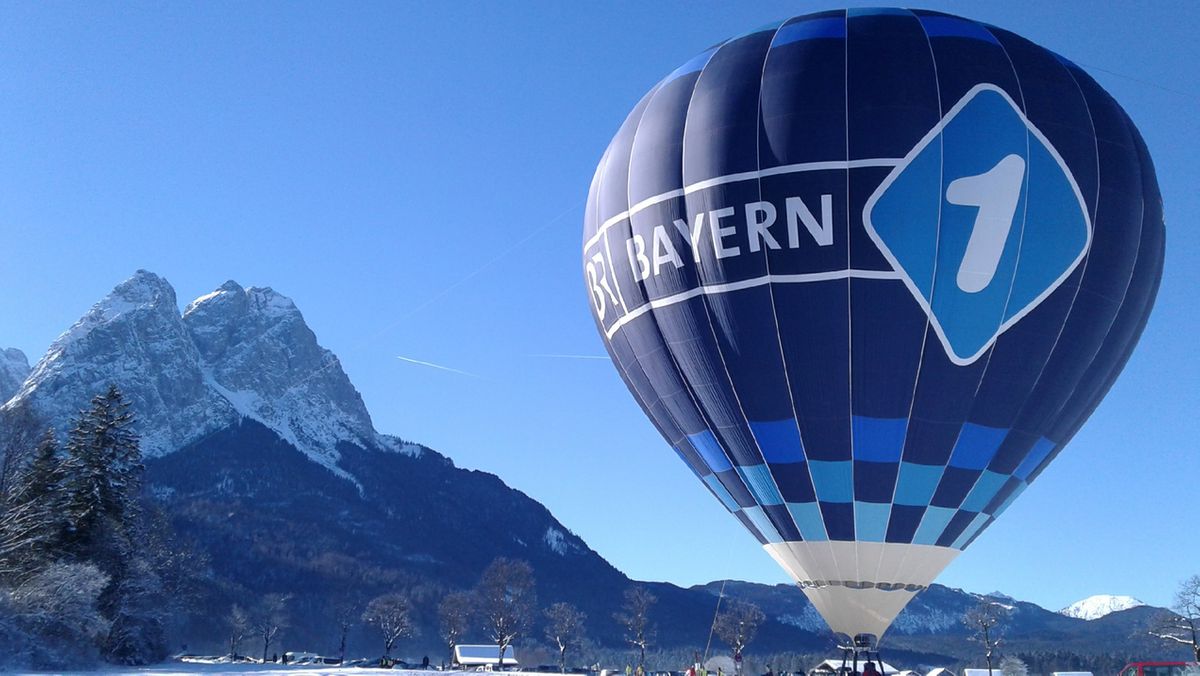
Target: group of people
[869, 669]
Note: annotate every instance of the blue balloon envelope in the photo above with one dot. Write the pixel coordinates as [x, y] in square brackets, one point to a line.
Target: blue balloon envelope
[867, 271]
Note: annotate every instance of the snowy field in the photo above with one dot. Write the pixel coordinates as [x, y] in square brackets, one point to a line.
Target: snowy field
[186, 668]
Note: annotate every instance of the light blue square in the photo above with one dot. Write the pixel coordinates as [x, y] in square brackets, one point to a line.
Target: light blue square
[871, 521]
[763, 524]
[833, 480]
[917, 483]
[809, 521]
[986, 487]
[762, 486]
[933, 524]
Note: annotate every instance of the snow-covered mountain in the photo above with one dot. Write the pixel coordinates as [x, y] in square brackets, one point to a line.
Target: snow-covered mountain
[234, 353]
[14, 369]
[1095, 607]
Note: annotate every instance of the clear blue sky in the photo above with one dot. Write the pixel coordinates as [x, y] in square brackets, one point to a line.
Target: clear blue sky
[413, 175]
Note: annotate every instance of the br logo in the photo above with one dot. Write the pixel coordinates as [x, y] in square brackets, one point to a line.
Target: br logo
[982, 219]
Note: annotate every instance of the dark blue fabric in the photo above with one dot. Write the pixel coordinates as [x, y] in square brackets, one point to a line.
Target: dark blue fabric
[784, 201]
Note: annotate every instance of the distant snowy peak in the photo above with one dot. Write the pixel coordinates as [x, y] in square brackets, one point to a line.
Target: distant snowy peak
[234, 353]
[1095, 607]
[14, 369]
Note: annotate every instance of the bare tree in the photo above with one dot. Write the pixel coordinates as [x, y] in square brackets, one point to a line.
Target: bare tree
[1013, 666]
[634, 617]
[31, 523]
[506, 601]
[268, 618]
[20, 431]
[1181, 624]
[392, 615]
[737, 626]
[983, 620]
[21, 511]
[239, 624]
[345, 614]
[454, 618]
[59, 604]
[564, 629]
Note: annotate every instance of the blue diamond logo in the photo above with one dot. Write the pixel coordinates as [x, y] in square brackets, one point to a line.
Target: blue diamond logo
[982, 219]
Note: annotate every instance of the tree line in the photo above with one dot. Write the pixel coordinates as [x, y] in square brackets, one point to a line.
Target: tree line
[502, 607]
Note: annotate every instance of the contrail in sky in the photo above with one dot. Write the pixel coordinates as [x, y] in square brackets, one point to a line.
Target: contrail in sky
[572, 356]
[437, 366]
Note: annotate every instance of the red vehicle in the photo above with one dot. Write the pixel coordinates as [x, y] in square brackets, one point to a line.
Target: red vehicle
[1161, 669]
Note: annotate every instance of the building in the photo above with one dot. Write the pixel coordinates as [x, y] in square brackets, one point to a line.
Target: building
[468, 656]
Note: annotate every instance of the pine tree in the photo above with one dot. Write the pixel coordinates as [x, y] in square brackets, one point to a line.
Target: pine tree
[105, 524]
[31, 528]
[104, 472]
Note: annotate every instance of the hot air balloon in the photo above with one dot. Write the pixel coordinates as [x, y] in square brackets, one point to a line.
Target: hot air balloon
[868, 271]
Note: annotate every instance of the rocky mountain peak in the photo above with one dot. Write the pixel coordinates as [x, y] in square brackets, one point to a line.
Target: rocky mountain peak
[267, 302]
[234, 353]
[133, 338]
[229, 292]
[144, 288]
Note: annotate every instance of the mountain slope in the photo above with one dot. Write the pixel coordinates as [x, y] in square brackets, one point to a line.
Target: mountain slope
[258, 353]
[272, 521]
[14, 368]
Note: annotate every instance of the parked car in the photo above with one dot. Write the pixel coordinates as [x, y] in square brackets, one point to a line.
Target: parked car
[1161, 669]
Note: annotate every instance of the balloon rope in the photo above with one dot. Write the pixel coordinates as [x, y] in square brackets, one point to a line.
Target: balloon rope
[1139, 80]
[713, 628]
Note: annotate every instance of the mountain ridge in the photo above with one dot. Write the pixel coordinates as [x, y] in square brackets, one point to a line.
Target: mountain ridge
[233, 353]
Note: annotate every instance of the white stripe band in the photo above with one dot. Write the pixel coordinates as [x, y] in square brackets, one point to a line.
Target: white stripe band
[734, 178]
[712, 289]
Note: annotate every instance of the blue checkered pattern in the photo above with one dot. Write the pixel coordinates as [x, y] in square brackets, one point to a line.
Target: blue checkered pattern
[946, 505]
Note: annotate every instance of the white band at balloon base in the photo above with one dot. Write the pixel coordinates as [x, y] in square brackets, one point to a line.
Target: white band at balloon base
[860, 587]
